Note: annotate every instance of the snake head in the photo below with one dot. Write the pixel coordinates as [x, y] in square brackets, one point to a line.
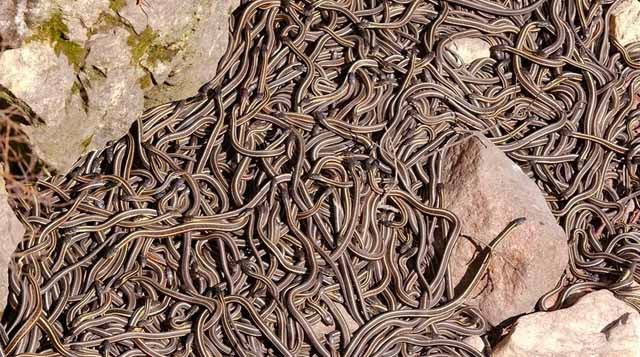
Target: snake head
[109, 152]
[70, 232]
[67, 239]
[308, 10]
[245, 265]
[105, 347]
[111, 184]
[351, 78]
[143, 261]
[316, 130]
[264, 50]
[499, 53]
[319, 115]
[363, 25]
[112, 251]
[211, 93]
[100, 287]
[179, 184]
[243, 93]
[566, 131]
[519, 221]
[218, 289]
[314, 177]
[351, 162]
[387, 223]
[371, 163]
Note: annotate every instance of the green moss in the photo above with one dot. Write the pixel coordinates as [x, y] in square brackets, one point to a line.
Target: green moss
[117, 5]
[54, 31]
[146, 43]
[145, 81]
[107, 21]
[86, 142]
[75, 88]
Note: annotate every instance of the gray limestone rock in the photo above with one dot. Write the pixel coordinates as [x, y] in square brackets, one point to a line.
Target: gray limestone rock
[11, 231]
[189, 39]
[88, 68]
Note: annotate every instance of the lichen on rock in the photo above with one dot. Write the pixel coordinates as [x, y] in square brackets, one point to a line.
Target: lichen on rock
[54, 31]
[106, 61]
[185, 42]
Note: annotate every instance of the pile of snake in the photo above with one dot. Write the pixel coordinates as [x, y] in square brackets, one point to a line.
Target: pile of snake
[293, 206]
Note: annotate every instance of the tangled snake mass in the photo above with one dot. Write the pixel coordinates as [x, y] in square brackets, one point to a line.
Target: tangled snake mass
[302, 186]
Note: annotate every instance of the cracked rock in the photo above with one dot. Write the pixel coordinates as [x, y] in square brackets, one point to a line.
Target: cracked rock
[89, 68]
[487, 191]
[598, 324]
[191, 37]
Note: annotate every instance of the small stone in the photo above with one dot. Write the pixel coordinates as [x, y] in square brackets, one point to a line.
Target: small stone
[598, 324]
[469, 49]
[321, 330]
[624, 21]
[352, 325]
[476, 342]
[11, 231]
[487, 191]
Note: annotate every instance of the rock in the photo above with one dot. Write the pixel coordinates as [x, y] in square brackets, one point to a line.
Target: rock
[475, 342]
[73, 125]
[12, 23]
[112, 88]
[32, 69]
[8, 31]
[624, 22]
[88, 68]
[598, 324]
[78, 16]
[487, 191]
[188, 38]
[11, 231]
[469, 49]
[321, 330]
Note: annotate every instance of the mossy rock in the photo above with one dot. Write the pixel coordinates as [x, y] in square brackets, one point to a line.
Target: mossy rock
[147, 43]
[54, 31]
